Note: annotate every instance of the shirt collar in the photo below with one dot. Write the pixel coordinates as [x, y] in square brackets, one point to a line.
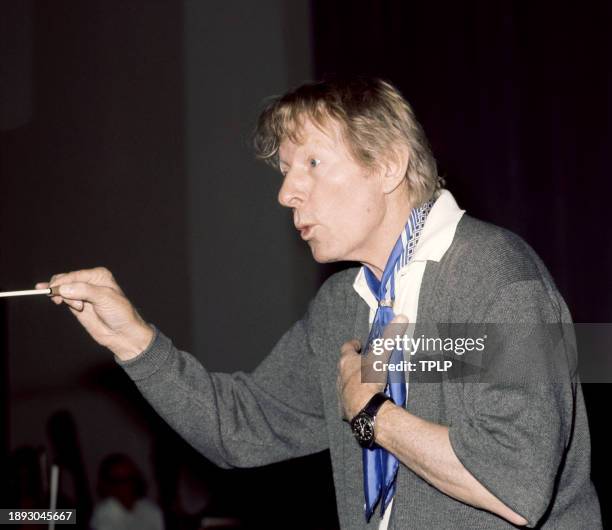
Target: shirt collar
[436, 237]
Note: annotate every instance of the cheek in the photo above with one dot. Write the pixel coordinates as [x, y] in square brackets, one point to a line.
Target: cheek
[353, 199]
[351, 217]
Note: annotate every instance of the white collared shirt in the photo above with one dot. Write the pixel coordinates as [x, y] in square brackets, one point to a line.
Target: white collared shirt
[435, 239]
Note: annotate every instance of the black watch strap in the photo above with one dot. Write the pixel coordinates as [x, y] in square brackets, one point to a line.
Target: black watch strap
[376, 401]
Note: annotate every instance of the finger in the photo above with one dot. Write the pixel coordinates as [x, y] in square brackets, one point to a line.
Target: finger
[98, 276]
[94, 294]
[352, 346]
[75, 312]
[74, 304]
[79, 313]
[55, 277]
[57, 300]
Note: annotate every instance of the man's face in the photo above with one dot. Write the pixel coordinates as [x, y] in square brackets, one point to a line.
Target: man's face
[337, 204]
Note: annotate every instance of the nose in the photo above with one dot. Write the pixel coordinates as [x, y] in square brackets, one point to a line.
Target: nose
[292, 192]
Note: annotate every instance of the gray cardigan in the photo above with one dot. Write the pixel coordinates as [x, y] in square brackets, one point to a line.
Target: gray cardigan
[528, 445]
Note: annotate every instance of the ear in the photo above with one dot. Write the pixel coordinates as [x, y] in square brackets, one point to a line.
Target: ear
[395, 166]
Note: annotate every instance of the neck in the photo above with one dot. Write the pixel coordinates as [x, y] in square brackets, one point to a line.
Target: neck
[388, 231]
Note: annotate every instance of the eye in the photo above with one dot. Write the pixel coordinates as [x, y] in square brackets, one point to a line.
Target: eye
[314, 162]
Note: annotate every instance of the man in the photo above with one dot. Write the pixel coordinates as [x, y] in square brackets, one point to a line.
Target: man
[363, 186]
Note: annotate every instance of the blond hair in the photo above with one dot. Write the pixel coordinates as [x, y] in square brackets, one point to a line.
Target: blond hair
[374, 119]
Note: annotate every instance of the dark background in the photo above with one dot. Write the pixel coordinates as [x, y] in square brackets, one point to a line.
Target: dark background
[124, 133]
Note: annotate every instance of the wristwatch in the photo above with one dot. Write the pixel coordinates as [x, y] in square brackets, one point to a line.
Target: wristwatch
[363, 423]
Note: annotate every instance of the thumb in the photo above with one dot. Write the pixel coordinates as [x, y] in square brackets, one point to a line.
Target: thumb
[83, 291]
[352, 346]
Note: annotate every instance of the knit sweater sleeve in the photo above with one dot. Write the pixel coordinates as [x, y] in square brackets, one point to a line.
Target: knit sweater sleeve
[240, 419]
[519, 413]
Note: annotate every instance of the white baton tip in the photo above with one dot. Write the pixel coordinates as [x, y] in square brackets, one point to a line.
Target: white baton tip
[31, 292]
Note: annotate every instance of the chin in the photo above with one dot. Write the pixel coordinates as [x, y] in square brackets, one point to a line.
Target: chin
[321, 255]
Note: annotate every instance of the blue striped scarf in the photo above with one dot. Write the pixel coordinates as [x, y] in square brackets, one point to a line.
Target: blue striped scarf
[379, 466]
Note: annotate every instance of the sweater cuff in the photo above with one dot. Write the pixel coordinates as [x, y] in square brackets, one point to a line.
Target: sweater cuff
[150, 359]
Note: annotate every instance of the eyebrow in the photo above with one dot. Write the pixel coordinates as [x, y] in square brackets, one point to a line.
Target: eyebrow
[316, 144]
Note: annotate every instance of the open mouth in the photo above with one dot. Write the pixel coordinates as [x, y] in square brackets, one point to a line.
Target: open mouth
[306, 231]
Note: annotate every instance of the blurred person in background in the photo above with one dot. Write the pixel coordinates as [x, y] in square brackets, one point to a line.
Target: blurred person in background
[124, 505]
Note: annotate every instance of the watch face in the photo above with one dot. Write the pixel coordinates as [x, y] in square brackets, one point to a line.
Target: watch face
[363, 429]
